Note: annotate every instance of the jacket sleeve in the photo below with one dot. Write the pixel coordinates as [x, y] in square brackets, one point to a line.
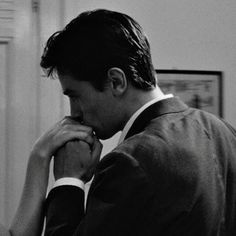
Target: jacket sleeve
[117, 196]
[64, 210]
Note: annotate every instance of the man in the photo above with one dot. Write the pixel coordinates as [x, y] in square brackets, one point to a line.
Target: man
[174, 169]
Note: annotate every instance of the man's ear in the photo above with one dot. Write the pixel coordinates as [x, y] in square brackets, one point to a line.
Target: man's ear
[117, 80]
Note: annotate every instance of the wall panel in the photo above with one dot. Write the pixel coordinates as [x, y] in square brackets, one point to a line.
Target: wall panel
[3, 131]
[6, 34]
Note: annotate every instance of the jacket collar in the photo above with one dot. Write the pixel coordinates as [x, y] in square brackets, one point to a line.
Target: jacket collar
[169, 105]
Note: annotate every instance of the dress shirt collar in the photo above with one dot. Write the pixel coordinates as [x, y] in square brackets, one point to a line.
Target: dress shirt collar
[138, 112]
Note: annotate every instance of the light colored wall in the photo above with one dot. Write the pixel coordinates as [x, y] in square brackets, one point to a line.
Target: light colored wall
[28, 104]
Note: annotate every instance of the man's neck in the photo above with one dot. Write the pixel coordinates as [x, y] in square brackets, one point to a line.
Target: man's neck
[156, 96]
[137, 99]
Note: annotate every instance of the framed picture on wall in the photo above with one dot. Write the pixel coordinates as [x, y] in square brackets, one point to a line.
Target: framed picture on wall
[198, 89]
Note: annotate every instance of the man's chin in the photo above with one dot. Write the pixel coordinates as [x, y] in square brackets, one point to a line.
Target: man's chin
[103, 135]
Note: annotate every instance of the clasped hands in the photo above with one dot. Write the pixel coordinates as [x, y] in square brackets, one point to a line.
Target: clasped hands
[75, 148]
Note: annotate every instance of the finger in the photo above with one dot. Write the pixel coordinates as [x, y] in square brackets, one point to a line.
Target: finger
[96, 150]
[66, 136]
[77, 119]
[80, 135]
[84, 146]
[71, 124]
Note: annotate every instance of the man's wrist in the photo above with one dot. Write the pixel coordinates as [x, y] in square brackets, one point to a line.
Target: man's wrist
[69, 181]
[40, 155]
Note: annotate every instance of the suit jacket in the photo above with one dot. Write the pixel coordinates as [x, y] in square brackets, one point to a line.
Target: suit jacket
[174, 174]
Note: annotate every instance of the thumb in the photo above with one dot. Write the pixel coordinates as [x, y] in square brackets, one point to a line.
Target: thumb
[96, 150]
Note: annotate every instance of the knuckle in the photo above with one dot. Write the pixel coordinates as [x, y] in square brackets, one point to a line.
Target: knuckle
[70, 145]
[67, 129]
[67, 144]
[85, 136]
[88, 137]
[82, 143]
[64, 133]
[90, 131]
[66, 126]
[63, 121]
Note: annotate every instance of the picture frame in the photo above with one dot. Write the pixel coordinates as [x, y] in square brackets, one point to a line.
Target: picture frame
[198, 89]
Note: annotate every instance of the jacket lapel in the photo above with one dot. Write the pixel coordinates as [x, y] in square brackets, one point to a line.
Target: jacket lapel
[170, 105]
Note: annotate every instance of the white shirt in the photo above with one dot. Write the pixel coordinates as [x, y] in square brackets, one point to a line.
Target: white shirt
[138, 112]
[79, 183]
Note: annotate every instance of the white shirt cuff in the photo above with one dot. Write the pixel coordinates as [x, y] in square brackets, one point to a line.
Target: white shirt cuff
[69, 181]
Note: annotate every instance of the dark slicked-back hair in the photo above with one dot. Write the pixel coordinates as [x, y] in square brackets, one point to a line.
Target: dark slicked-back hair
[96, 41]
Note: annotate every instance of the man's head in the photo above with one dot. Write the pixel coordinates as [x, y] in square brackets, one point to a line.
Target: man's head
[98, 47]
[96, 41]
